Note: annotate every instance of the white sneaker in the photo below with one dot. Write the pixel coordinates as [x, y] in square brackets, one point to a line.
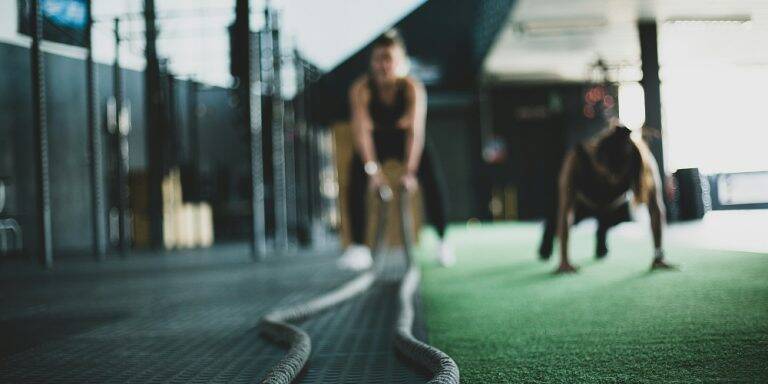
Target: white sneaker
[356, 258]
[445, 254]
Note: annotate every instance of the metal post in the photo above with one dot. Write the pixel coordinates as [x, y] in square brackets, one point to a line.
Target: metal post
[320, 164]
[155, 130]
[290, 172]
[194, 123]
[95, 148]
[312, 169]
[301, 155]
[278, 133]
[258, 204]
[121, 149]
[312, 175]
[40, 122]
[313, 166]
[249, 93]
[651, 83]
[174, 140]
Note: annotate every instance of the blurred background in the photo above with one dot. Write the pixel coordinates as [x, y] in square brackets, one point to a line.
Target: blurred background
[168, 124]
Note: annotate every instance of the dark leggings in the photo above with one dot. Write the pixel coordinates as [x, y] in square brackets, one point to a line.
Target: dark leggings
[429, 182]
[606, 219]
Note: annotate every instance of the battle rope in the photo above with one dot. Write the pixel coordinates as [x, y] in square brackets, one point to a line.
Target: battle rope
[441, 365]
[276, 324]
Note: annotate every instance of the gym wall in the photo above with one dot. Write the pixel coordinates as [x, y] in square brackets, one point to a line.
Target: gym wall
[219, 141]
[538, 123]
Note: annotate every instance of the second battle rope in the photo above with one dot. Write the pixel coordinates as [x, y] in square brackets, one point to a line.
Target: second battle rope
[442, 366]
[276, 324]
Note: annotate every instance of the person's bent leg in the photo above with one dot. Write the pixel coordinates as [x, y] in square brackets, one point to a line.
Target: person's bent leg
[548, 237]
[605, 222]
[433, 193]
[357, 256]
[601, 246]
[356, 194]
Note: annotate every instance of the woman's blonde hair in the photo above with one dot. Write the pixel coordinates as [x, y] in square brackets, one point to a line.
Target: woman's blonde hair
[392, 38]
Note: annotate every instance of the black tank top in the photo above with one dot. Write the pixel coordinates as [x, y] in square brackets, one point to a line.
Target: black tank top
[388, 139]
[593, 186]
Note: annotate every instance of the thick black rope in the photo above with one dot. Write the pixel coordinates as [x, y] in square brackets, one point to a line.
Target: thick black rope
[276, 324]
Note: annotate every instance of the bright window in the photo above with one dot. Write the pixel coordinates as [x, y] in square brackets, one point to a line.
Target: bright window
[716, 118]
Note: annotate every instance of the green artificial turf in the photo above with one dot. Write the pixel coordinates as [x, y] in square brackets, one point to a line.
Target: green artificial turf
[504, 317]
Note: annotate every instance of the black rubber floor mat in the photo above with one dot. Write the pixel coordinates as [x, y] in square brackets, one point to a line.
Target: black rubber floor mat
[186, 317]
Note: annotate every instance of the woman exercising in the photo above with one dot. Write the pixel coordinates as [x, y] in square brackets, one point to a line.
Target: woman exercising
[594, 182]
[389, 110]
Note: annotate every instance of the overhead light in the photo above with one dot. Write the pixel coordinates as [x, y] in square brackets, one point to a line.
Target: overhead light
[710, 20]
[555, 26]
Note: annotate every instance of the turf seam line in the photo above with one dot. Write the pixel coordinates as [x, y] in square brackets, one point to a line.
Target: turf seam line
[441, 365]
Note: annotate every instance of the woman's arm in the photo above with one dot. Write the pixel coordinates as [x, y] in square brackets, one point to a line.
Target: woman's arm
[657, 212]
[565, 208]
[656, 205]
[362, 125]
[362, 128]
[414, 122]
[649, 189]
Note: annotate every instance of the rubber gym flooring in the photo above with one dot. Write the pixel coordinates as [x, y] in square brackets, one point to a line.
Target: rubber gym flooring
[504, 317]
[189, 317]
